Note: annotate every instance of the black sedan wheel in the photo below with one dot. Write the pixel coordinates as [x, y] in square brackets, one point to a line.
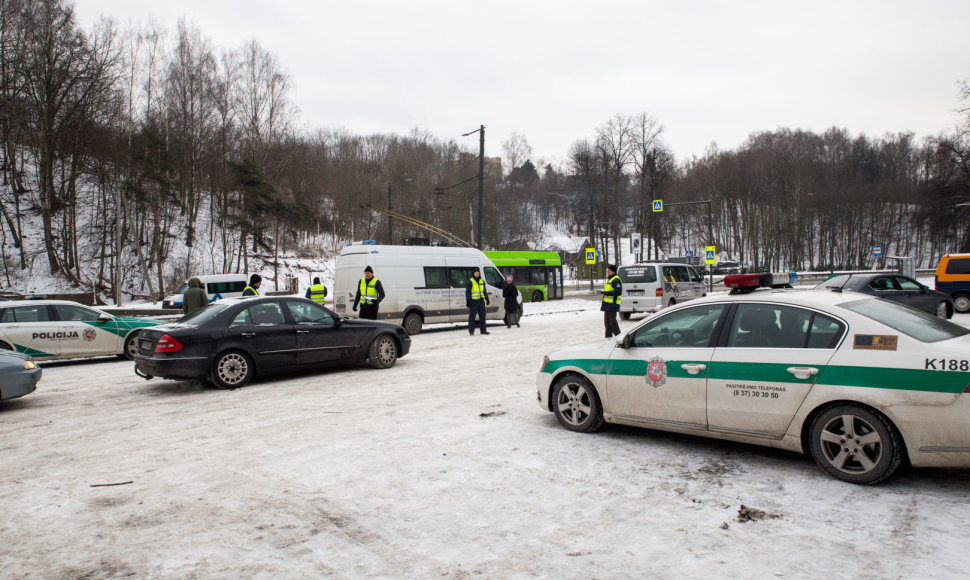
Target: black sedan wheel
[576, 404]
[855, 444]
[382, 353]
[232, 370]
[942, 311]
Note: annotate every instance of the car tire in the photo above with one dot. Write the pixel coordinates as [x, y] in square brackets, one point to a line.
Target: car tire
[382, 353]
[412, 323]
[130, 347]
[576, 404]
[942, 310]
[625, 315]
[537, 296]
[856, 444]
[961, 303]
[232, 369]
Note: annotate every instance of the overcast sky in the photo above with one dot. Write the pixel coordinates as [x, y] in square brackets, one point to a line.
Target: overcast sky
[553, 71]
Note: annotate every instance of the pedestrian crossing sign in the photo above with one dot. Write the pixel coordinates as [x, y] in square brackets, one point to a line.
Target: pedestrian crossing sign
[590, 255]
[658, 205]
[708, 254]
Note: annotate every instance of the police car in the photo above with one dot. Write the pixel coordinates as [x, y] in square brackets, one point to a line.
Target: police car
[59, 329]
[858, 383]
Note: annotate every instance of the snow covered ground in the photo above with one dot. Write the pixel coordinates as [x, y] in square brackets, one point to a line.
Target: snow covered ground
[443, 466]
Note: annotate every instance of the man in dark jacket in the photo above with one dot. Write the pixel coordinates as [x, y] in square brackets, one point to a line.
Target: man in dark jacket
[611, 301]
[476, 297]
[370, 292]
[195, 297]
[512, 308]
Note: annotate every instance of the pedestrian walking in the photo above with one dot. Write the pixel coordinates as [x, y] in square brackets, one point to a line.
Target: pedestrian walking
[513, 310]
[611, 301]
[370, 292]
[317, 292]
[255, 281]
[195, 297]
[476, 297]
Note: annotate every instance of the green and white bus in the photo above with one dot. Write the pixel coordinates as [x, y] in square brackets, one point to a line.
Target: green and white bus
[538, 275]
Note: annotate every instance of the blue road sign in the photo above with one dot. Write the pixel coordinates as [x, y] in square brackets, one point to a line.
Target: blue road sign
[709, 256]
[877, 251]
[689, 253]
[658, 205]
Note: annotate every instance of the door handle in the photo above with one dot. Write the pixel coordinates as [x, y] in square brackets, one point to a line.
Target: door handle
[803, 372]
[303, 332]
[249, 334]
[693, 368]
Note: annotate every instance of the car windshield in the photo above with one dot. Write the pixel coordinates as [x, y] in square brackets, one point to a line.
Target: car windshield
[181, 289]
[917, 324]
[203, 314]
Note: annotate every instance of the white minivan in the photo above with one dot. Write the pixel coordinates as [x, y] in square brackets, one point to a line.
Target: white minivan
[216, 286]
[650, 286]
[423, 284]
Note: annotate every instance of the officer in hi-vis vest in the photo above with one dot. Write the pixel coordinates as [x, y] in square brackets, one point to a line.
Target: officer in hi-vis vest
[370, 292]
[317, 292]
[476, 297]
[611, 301]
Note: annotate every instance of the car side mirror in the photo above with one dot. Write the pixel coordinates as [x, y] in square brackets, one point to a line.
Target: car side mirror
[105, 317]
[625, 342]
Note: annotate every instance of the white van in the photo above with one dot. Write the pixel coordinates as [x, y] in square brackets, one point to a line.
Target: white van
[216, 286]
[648, 287]
[423, 284]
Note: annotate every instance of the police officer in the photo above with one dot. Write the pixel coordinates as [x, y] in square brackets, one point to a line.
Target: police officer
[476, 297]
[370, 292]
[317, 292]
[611, 301]
[255, 281]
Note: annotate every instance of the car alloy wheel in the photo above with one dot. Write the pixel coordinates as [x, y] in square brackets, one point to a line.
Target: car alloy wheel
[576, 404]
[961, 303]
[941, 310]
[383, 352]
[131, 346]
[232, 370]
[855, 444]
[412, 324]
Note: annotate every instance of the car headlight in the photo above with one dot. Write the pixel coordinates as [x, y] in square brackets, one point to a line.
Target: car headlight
[29, 365]
[545, 361]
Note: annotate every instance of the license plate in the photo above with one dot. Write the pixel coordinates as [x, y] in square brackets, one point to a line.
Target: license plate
[145, 345]
[636, 292]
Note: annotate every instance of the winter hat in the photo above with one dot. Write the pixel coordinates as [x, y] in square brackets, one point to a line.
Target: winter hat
[369, 269]
[611, 267]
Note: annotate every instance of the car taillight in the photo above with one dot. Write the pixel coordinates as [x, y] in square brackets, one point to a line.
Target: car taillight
[660, 292]
[167, 344]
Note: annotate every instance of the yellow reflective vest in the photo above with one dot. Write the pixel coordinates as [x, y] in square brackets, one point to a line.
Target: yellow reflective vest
[318, 293]
[478, 289]
[608, 291]
[368, 290]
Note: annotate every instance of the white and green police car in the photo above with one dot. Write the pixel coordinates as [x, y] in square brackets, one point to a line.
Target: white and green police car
[857, 382]
[59, 329]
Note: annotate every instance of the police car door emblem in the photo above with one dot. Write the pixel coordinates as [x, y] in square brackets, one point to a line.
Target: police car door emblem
[656, 372]
[89, 334]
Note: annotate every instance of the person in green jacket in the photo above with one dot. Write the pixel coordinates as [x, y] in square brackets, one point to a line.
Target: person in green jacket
[195, 297]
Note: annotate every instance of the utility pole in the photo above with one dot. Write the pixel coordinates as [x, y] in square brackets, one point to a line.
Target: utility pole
[390, 226]
[481, 180]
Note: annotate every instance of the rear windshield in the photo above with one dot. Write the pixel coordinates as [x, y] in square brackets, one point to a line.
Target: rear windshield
[917, 324]
[835, 282]
[201, 315]
[638, 274]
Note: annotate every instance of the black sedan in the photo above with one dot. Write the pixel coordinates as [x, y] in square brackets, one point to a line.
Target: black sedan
[897, 288]
[232, 340]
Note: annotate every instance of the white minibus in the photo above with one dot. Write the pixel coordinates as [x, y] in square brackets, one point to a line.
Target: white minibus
[423, 284]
